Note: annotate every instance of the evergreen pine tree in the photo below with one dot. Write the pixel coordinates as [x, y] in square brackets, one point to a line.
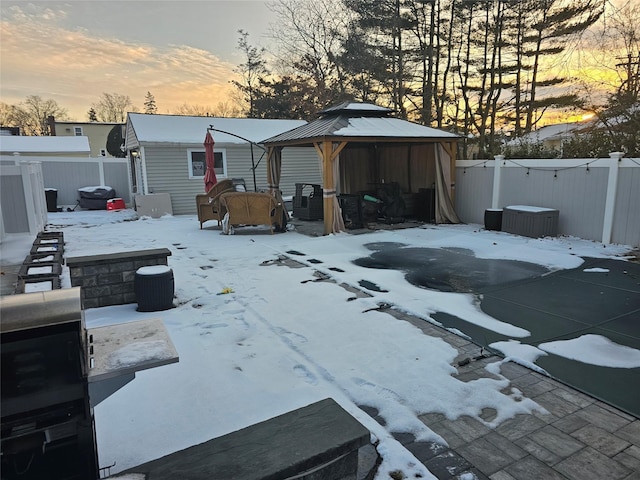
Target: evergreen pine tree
[150, 104]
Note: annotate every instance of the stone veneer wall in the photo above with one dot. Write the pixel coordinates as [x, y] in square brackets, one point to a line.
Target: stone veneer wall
[109, 279]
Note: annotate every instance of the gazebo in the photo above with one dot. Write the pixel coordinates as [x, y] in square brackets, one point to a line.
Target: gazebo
[361, 145]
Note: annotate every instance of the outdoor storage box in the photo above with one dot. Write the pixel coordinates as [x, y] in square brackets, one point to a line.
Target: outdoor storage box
[95, 198]
[530, 221]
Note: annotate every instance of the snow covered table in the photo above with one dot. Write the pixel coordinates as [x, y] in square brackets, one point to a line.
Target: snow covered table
[530, 221]
[117, 352]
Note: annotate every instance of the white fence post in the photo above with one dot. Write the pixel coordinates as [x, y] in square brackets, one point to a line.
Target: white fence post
[497, 178]
[101, 170]
[35, 202]
[610, 201]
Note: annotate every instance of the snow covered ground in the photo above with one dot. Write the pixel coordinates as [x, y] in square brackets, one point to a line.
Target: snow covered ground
[257, 338]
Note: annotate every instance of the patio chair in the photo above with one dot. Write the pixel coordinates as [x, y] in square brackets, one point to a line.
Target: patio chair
[208, 204]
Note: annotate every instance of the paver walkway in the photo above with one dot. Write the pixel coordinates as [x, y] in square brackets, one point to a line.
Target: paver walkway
[579, 438]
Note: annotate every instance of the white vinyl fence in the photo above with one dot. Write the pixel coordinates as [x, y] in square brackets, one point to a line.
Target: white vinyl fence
[23, 207]
[597, 199]
[24, 180]
[67, 175]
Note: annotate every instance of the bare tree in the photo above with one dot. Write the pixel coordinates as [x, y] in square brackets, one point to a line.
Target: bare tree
[619, 54]
[194, 110]
[309, 35]
[32, 115]
[6, 115]
[227, 109]
[254, 67]
[113, 107]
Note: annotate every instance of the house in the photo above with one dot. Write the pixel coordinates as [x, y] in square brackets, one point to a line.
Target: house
[96, 132]
[167, 155]
[549, 137]
[44, 146]
[9, 131]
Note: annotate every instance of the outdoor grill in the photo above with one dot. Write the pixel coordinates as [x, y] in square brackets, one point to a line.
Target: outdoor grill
[47, 425]
[95, 198]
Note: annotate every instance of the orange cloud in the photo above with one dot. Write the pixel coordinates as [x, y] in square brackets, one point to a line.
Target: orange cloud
[74, 67]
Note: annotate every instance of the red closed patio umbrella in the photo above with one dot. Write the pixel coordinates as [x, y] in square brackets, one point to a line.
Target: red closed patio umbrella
[210, 174]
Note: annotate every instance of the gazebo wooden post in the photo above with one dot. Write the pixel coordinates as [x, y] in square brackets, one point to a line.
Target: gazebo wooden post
[328, 184]
[328, 152]
[270, 151]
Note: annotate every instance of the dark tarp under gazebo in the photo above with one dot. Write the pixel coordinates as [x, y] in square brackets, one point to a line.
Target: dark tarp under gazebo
[360, 145]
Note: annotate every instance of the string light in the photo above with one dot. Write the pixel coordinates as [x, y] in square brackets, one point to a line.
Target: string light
[555, 174]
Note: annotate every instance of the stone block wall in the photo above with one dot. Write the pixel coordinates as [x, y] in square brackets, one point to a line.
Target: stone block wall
[110, 279]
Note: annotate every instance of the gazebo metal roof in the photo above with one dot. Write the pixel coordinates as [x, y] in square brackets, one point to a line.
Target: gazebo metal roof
[359, 122]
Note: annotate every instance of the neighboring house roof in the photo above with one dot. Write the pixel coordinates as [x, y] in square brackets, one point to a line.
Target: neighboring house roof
[44, 144]
[68, 122]
[621, 119]
[548, 133]
[192, 130]
[353, 120]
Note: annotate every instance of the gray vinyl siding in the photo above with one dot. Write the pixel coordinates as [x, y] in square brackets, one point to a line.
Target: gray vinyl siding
[130, 141]
[167, 169]
[299, 165]
[239, 165]
[168, 172]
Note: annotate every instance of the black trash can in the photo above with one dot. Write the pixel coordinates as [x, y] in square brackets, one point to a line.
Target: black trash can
[493, 219]
[154, 288]
[51, 194]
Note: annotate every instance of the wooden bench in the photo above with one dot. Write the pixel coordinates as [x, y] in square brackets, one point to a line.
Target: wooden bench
[319, 441]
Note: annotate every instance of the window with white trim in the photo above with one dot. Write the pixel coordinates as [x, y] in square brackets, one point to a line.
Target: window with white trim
[198, 163]
[77, 131]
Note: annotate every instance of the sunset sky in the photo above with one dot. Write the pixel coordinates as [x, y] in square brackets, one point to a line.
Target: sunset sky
[183, 52]
[72, 51]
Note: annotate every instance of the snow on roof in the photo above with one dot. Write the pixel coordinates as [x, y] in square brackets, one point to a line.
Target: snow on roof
[192, 130]
[28, 144]
[343, 125]
[357, 107]
[389, 127]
